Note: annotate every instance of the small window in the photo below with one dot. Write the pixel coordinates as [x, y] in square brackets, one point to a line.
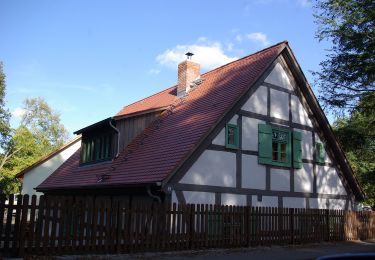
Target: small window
[280, 142]
[320, 153]
[96, 148]
[279, 146]
[231, 136]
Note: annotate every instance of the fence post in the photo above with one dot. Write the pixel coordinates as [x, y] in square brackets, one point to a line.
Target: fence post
[192, 225]
[291, 225]
[23, 226]
[327, 222]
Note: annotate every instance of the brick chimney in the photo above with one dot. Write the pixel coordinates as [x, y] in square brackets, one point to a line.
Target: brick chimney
[188, 71]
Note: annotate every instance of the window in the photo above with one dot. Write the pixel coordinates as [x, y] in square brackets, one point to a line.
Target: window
[279, 147]
[96, 148]
[231, 136]
[319, 153]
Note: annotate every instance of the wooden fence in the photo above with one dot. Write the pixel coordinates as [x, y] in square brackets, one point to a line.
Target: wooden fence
[66, 225]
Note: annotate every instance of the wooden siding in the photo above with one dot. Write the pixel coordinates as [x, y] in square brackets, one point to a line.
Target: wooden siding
[130, 127]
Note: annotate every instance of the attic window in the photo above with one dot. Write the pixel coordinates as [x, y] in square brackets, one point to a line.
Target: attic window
[231, 136]
[96, 148]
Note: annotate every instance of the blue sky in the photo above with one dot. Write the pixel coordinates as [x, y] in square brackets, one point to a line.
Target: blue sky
[88, 59]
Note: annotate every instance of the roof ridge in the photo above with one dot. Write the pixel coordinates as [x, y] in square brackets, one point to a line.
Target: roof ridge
[247, 56]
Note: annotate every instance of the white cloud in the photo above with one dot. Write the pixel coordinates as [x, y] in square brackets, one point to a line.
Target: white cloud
[18, 112]
[208, 54]
[154, 71]
[258, 37]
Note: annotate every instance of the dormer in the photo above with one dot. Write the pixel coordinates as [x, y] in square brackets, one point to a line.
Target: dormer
[98, 142]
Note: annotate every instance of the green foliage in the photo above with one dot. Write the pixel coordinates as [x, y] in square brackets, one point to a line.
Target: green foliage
[348, 72]
[44, 124]
[4, 113]
[357, 137]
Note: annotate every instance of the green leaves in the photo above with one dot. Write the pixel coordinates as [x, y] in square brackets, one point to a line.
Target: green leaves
[349, 69]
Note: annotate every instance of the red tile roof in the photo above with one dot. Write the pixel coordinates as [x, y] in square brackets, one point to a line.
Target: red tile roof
[156, 153]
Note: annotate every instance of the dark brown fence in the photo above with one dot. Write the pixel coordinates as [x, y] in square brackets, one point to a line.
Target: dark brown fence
[66, 225]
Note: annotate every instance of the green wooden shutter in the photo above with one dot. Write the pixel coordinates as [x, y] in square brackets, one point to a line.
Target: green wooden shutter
[297, 150]
[319, 153]
[264, 144]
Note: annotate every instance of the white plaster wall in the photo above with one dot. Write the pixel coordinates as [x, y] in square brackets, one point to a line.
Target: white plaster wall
[267, 201]
[326, 156]
[328, 181]
[292, 202]
[304, 178]
[257, 103]
[250, 133]
[216, 168]
[318, 203]
[174, 197]
[220, 138]
[279, 104]
[199, 197]
[253, 174]
[299, 114]
[279, 77]
[307, 144]
[233, 199]
[280, 179]
[233, 120]
[337, 204]
[36, 176]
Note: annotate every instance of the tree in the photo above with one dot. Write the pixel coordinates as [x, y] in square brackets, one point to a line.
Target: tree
[357, 137]
[39, 134]
[44, 124]
[348, 73]
[4, 113]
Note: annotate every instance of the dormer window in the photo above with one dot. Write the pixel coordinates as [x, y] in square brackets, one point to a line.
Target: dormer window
[96, 148]
[98, 142]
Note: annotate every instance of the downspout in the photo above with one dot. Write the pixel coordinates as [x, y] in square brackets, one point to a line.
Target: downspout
[118, 137]
[152, 195]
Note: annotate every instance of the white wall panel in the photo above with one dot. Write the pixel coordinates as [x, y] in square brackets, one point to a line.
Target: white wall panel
[279, 104]
[299, 114]
[233, 199]
[216, 168]
[304, 178]
[307, 144]
[253, 174]
[267, 201]
[292, 202]
[279, 77]
[257, 103]
[250, 133]
[328, 181]
[196, 197]
[280, 179]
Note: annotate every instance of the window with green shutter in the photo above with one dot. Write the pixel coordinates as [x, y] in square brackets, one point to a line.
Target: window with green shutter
[231, 136]
[319, 153]
[96, 148]
[275, 146]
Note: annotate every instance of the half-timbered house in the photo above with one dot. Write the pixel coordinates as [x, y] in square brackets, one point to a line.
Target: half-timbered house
[250, 132]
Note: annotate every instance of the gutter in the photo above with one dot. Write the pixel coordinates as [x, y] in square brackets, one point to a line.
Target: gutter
[152, 195]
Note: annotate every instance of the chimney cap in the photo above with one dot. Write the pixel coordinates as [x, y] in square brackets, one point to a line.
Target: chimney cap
[189, 55]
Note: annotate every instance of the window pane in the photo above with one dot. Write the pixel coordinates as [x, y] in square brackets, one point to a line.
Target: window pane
[283, 152]
[231, 135]
[275, 151]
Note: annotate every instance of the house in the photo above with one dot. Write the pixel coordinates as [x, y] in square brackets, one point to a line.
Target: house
[250, 132]
[36, 173]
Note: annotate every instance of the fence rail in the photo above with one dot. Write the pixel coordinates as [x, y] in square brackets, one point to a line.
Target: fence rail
[67, 225]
